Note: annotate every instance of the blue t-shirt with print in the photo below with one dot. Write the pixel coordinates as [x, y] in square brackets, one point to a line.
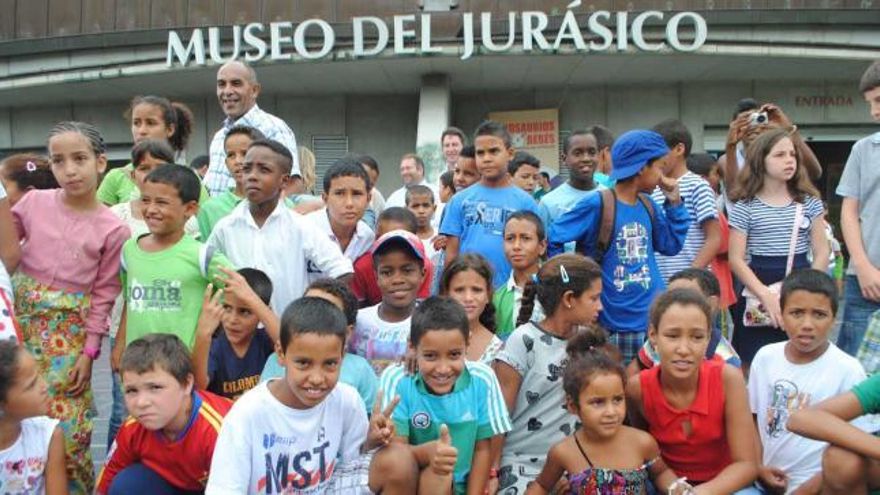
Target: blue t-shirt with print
[231, 376]
[630, 275]
[477, 216]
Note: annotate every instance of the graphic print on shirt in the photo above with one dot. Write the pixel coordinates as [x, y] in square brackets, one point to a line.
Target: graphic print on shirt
[302, 473]
[631, 245]
[490, 217]
[22, 475]
[162, 295]
[785, 400]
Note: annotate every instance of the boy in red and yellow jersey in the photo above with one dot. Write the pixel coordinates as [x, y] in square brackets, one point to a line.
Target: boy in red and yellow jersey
[167, 444]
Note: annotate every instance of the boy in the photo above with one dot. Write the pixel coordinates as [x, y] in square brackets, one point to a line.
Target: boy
[235, 145]
[639, 228]
[356, 371]
[860, 189]
[420, 201]
[363, 283]
[263, 233]
[304, 432]
[474, 221]
[228, 362]
[465, 173]
[524, 170]
[167, 443]
[604, 142]
[579, 155]
[703, 238]
[377, 201]
[448, 392]
[793, 375]
[706, 283]
[346, 194]
[382, 331]
[165, 272]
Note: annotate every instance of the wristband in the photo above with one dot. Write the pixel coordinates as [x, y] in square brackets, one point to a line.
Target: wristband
[92, 353]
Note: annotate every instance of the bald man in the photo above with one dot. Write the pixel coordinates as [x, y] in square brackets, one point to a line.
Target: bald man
[237, 91]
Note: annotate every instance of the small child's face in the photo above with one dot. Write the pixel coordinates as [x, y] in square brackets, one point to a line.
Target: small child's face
[74, 164]
[446, 193]
[588, 305]
[398, 275]
[649, 177]
[872, 96]
[236, 148]
[441, 356]
[422, 206]
[312, 363]
[148, 122]
[163, 210]
[239, 322]
[582, 157]
[28, 394]
[601, 405]
[347, 200]
[807, 320]
[264, 177]
[155, 398]
[147, 164]
[472, 291]
[526, 178]
[522, 247]
[781, 163]
[492, 157]
[681, 339]
[465, 173]
[684, 283]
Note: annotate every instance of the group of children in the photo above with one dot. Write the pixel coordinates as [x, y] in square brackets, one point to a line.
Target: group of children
[576, 345]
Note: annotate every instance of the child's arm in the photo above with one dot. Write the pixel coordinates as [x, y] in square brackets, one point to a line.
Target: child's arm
[663, 476]
[56, 470]
[237, 285]
[739, 430]
[10, 249]
[119, 344]
[828, 421]
[850, 225]
[737, 257]
[820, 244]
[209, 320]
[480, 465]
[577, 224]
[671, 223]
[706, 210]
[453, 243]
[634, 403]
[735, 133]
[550, 474]
[771, 478]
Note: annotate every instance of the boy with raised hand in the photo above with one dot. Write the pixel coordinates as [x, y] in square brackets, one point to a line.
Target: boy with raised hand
[263, 233]
[450, 402]
[164, 273]
[797, 374]
[167, 443]
[639, 229]
[474, 218]
[305, 432]
[703, 240]
[860, 188]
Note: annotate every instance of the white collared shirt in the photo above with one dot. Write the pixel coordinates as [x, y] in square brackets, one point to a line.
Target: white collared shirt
[218, 179]
[360, 243]
[284, 247]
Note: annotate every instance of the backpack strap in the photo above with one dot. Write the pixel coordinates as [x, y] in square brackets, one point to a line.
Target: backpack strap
[649, 205]
[607, 211]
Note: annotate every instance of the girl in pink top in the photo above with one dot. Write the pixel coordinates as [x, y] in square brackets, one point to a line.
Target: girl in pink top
[66, 283]
[697, 410]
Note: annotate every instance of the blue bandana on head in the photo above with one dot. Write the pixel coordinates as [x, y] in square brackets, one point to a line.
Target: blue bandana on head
[633, 150]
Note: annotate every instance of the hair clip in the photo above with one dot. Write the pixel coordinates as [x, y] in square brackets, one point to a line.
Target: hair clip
[30, 166]
[563, 274]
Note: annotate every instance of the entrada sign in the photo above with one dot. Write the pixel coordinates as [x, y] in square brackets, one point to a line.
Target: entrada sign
[286, 40]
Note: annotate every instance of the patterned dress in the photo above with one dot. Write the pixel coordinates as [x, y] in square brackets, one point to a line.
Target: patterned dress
[601, 481]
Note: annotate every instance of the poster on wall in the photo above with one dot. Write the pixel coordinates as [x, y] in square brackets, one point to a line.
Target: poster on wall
[535, 132]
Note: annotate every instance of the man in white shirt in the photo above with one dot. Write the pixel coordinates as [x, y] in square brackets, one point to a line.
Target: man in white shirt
[237, 91]
[412, 172]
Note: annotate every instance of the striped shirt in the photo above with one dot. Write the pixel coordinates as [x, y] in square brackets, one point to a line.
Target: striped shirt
[699, 199]
[768, 228]
[218, 179]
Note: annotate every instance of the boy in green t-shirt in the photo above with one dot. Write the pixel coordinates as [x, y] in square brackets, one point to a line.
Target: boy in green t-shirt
[164, 273]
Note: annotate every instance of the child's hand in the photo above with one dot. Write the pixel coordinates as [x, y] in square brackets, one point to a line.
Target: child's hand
[236, 285]
[770, 301]
[738, 129]
[212, 312]
[80, 376]
[410, 362]
[440, 243]
[381, 430]
[445, 455]
[776, 115]
[670, 189]
[773, 479]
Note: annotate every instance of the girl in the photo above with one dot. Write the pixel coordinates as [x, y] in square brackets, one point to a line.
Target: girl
[776, 218]
[524, 246]
[67, 281]
[602, 456]
[10, 254]
[695, 408]
[25, 171]
[531, 365]
[31, 444]
[151, 117]
[468, 280]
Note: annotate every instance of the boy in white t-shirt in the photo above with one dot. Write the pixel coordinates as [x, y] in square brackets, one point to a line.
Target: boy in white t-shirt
[789, 376]
[305, 433]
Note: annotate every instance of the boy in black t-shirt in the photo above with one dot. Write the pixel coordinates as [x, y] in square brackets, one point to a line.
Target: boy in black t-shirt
[229, 362]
